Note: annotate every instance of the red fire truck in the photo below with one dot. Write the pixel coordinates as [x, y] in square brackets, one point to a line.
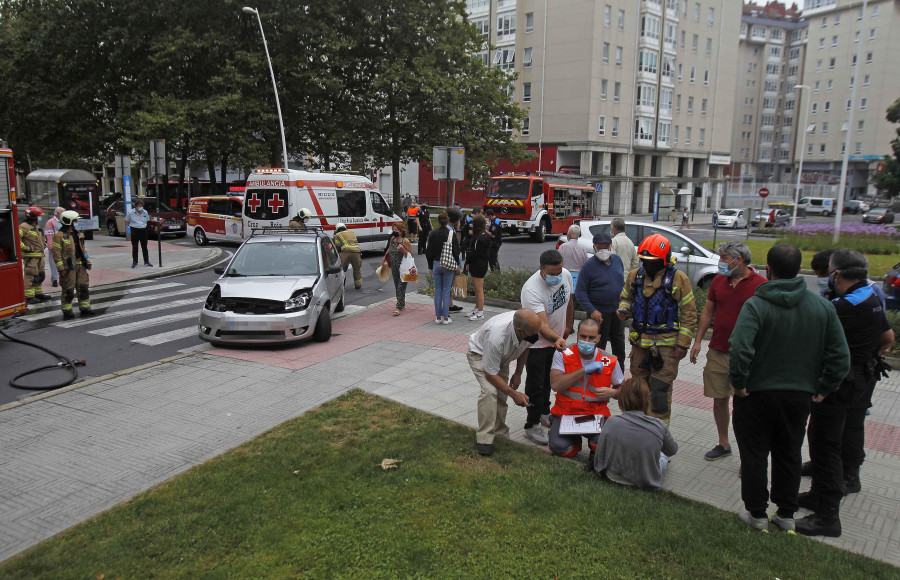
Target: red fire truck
[12, 285]
[540, 203]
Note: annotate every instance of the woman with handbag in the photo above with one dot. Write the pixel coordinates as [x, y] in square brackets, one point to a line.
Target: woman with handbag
[477, 261]
[398, 247]
[443, 262]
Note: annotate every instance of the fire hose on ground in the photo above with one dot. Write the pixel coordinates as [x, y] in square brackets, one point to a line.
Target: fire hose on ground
[63, 362]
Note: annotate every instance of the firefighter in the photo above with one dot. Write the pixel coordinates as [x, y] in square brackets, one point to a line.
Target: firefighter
[33, 244]
[298, 222]
[660, 301]
[73, 264]
[351, 253]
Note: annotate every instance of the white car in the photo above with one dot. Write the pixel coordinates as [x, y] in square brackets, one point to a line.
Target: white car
[733, 218]
[700, 264]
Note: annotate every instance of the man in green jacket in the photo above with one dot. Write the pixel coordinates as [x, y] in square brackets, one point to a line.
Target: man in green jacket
[788, 351]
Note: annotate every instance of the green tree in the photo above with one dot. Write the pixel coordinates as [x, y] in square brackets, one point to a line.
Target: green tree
[888, 180]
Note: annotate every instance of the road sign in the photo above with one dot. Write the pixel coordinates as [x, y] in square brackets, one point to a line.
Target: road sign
[763, 192]
[454, 157]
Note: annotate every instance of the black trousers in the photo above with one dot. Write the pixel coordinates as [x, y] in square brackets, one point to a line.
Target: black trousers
[770, 422]
[139, 235]
[613, 330]
[423, 241]
[537, 383]
[494, 258]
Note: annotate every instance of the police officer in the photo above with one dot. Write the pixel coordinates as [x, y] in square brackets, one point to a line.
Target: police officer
[495, 230]
[836, 427]
[351, 253]
[424, 225]
[660, 300]
[33, 244]
[73, 264]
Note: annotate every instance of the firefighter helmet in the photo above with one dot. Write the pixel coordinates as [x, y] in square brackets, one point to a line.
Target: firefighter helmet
[655, 246]
[68, 217]
[340, 227]
[33, 212]
[304, 213]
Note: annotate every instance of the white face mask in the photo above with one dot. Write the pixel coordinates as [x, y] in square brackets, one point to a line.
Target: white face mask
[603, 255]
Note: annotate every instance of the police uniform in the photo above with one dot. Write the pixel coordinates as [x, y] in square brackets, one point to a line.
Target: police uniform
[351, 254]
[73, 264]
[496, 231]
[33, 244]
[664, 316]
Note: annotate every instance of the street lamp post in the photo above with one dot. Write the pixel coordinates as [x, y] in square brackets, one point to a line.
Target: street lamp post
[249, 10]
[802, 153]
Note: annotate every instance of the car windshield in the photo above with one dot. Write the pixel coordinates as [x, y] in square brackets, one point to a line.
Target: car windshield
[878, 211]
[277, 258]
[728, 212]
[150, 206]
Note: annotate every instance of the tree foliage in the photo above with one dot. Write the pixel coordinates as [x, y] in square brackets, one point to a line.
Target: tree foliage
[888, 180]
[380, 82]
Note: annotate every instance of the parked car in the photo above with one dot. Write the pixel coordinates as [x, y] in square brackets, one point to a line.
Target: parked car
[824, 206]
[879, 215]
[733, 218]
[173, 222]
[892, 288]
[782, 218]
[700, 264]
[855, 206]
[281, 285]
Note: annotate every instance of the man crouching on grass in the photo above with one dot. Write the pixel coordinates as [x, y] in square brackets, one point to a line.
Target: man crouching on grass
[501, 340]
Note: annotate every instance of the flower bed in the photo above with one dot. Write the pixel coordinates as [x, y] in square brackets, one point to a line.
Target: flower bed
[865, 238]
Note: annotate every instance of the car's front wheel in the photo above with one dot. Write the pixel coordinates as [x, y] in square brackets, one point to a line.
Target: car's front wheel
[199, 237]
[111, 228]
[322, 333]
[340, 305]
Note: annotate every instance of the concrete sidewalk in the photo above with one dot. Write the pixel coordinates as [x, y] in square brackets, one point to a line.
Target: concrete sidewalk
[71, 455]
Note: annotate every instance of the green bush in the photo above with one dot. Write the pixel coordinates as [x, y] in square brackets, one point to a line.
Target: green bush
[503, 285]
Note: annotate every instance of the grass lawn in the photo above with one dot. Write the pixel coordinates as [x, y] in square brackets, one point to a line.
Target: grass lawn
[309, 499]
[879, 264]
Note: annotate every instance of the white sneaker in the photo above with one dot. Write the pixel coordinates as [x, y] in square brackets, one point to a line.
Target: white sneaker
[476, 315]
[536, 434]
[545, 421]
[446, 320]
[473, 313]
[437, 320]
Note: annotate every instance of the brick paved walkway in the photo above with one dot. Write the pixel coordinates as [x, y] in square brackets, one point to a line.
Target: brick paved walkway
[70, 456]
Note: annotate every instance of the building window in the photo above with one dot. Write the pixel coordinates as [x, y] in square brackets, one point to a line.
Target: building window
[615, 127]
[675, 136]
[822, 149]
[837, 19]
[827, 107]
[647, 61]
[617, 89]
[694, 42]
[687, 136]
[874, 10]
[526, 126]
[824, 21]
[693, 74]
[859, 126]
[618, 56]
[834, 41]
[708, 46]
[671, 36]
[690, 108]
[829, 85]
[815, 108]
[872, 34]
[852, 81]
[605, 52]
[607, 15]
[711, 16]
[818, 65]
[706, 77]
[795, 53]
[506, 24]
[863, 103]
[482, 26]
[858, 148]
[678, 103]
[680, 71]
[505, 58]
[526, 59]
[866, 81]
[643, 129]
[702, 137]
[774, 52]
[646, 95]
[856, 38]
[601, 128]
[809, 150]
[703, 107]
[665, 100]
[529, 21]
[526, 92]
[682, 38]
[663, 128]
[621, 23]
[697, 12]
[650, 26]
[816, 88]
[868, 58]
[825, 127]
[821, 43]
[853, 61]
[849, 105]
[603, 86]
[831, 63]
[668, 68]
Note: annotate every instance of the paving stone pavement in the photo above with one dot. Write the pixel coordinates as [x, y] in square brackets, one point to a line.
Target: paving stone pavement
[67, 457]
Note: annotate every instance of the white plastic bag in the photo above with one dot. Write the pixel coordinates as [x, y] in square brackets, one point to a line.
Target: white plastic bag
[408, 272]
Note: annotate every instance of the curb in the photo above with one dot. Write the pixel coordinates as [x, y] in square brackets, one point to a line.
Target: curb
[174, 271]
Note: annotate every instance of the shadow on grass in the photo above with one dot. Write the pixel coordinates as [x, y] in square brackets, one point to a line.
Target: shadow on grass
[310, 499]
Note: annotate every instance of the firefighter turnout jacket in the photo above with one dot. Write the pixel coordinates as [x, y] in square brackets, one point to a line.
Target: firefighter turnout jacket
[31, 241]
[346, 241]
[663, 308]
[68, 250]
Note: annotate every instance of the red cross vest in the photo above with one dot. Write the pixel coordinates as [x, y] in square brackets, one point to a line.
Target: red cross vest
[570, 401]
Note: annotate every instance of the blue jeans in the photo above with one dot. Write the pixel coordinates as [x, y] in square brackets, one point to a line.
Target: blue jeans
[663, 463]
[443, 282]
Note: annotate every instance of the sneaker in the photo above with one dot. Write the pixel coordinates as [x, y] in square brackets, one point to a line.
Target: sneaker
[819, 525]
[806, 470]
[717, 452]
[437, 320]
[455, 308]
[536, 434]
[808, 501]
[851, 484]
[134, 264]
[148, 264]
[784, 524]
[55, 283]
[486, 449]
[446, 320]
[476, 316]
[545, 421]
[761, 524]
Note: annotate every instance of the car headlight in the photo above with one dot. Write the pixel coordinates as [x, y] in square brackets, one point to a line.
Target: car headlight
[213, 301]
[299, 300]
[865, 215]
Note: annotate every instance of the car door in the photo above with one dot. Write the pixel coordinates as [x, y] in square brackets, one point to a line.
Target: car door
[689, 262]
[234, 221]
[333, 282]
[119, 209]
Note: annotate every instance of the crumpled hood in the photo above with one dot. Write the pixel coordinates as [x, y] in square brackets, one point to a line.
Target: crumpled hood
[787, 293]
[264, 287]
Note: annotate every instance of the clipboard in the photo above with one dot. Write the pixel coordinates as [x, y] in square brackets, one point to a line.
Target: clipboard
[568, 426]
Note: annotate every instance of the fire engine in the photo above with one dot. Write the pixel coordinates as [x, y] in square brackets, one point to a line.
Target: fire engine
[12, 284]
[539, 203]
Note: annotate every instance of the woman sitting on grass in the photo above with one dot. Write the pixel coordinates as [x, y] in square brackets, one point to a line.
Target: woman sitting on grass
[634, 448]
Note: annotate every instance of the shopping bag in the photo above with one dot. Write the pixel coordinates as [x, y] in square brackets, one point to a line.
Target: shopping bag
[408, 272]
[447, 262]
[460, 286]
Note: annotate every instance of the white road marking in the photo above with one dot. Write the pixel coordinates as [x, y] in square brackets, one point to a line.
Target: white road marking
[55, 312]
[165, 337]
[146, 323]
[129, 312]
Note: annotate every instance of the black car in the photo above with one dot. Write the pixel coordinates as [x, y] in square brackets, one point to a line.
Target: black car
[879, 215]
[892, 288]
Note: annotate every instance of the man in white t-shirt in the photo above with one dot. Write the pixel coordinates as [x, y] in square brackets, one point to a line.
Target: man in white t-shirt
[501, 340]
[549, 293]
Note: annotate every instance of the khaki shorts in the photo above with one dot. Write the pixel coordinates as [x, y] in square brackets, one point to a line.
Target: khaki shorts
[715, 375]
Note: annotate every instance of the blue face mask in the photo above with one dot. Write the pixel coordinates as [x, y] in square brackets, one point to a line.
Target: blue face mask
[586, 348]
[824, 284]
[724, 269]
[553, 280]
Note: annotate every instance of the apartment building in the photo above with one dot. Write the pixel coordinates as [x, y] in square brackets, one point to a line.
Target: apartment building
[852, 46]
[638, 94]
[770, 60]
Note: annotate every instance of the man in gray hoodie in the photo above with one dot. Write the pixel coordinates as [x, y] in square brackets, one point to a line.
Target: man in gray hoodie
[788, 352]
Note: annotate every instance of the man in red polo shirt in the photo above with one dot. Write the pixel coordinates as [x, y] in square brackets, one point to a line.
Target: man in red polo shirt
[736, 283]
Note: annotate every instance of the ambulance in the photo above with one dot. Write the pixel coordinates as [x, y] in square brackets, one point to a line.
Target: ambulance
[217, 218]
[273, 196]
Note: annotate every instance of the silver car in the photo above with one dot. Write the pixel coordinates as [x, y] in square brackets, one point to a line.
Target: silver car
[699, 263]
[281, 285]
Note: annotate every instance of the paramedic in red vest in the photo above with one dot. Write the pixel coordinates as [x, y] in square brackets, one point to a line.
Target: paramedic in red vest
[567, 375]
[661, 303]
